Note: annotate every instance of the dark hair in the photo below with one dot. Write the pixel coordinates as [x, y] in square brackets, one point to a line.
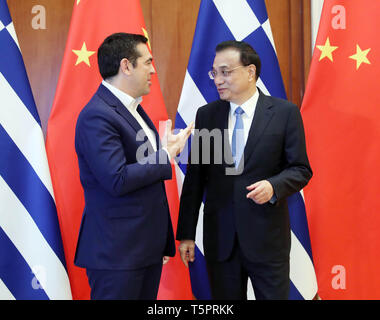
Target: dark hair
[248, 55]
[116, 47]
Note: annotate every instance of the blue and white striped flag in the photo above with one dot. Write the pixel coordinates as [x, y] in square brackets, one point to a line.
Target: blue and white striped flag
[242, 20]
[32, 262]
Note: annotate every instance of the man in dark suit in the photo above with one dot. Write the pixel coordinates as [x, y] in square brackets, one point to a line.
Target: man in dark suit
[126, 233]
[245, 178]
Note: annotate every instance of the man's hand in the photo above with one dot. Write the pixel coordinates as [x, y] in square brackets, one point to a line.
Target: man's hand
[260, 192]
[165, 259]
[186, 250]
[176, 143]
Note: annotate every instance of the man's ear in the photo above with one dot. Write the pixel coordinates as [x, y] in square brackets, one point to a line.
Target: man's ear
[252, 72]
[126, 66]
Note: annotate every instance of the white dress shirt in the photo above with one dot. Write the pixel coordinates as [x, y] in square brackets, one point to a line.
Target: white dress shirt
[131, 104]
[249, 108]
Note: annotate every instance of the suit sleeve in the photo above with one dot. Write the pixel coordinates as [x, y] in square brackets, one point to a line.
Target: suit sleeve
[99, 143]
[192, 190]
[297, 171]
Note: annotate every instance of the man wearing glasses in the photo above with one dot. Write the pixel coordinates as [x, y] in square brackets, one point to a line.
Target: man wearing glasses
[246, 220]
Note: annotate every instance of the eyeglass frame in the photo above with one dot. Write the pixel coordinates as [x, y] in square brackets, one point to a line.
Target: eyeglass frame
[225, 73]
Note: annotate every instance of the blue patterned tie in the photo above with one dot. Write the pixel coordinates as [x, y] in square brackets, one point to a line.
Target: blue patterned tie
[238, 136]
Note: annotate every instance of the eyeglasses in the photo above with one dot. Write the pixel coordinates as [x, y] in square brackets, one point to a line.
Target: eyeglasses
[225, 73]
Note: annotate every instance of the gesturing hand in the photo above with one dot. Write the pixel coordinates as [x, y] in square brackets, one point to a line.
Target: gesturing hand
[176, 142]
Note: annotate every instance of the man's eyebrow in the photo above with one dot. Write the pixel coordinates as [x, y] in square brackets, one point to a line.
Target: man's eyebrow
[222, 66]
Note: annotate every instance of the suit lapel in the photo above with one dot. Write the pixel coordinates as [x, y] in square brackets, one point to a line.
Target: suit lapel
[262, 116]
[150, 124]
[113, 101]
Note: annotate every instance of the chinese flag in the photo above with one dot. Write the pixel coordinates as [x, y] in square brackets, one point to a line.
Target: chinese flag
[341, 114]
[91, 22]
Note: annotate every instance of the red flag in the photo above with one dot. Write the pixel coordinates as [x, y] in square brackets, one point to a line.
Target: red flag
[91, 22]
[341, 114]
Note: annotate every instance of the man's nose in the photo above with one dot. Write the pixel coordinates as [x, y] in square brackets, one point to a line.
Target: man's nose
[218, 79]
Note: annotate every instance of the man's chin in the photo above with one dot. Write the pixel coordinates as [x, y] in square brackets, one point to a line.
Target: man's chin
[147, 91]
[223, 97]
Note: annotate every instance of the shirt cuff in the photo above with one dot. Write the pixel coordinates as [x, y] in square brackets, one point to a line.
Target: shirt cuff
[273, 199]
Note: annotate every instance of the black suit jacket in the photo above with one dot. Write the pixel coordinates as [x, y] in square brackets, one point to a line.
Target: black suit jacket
[275, 151]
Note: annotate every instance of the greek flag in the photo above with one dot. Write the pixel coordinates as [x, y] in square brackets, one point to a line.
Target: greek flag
[32, 263]
[242, 20]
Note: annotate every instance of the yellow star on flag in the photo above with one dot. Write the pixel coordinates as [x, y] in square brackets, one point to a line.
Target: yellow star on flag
[360, 56]
[146, 36]
[78, 2]
[326, 50]
[83, 55]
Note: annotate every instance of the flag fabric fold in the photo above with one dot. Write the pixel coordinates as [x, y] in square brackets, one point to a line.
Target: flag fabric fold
[341, 115]
[31, 253]
[91, 22]
[242, 20]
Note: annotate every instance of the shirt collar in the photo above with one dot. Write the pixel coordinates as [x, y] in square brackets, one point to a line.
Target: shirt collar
[249, 106]
[129, 102]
